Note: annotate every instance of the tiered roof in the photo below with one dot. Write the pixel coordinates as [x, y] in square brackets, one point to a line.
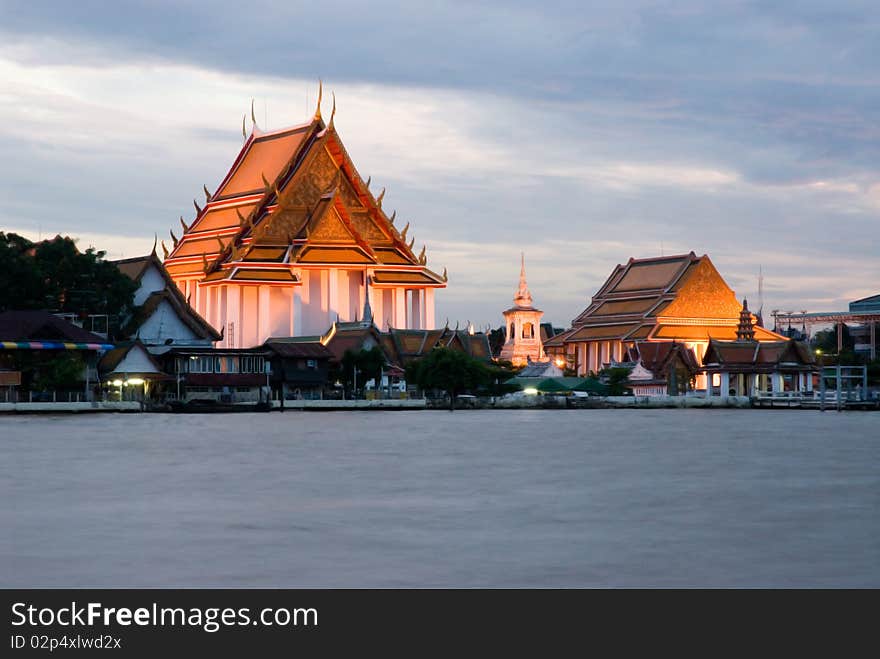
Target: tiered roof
[294, 198]
[676, 298]
[135, 268]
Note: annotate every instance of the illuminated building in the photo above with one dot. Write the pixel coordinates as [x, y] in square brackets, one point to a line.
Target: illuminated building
[293, 240]
[679, 298]
[522, 326]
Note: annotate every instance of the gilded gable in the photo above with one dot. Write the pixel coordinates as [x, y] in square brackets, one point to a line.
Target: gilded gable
[703, 293]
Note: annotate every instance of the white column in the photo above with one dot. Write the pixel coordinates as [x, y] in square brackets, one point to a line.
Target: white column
[378, 308]
[809, 382]
[296, 326]
[725, 385]
[206, 308]
[416, 311]
[263, 310]
[400, 308]
[233, 316]
[332, 279]
[429, 308]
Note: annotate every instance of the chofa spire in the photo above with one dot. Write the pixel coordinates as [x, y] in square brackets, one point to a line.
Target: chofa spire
[523, 297]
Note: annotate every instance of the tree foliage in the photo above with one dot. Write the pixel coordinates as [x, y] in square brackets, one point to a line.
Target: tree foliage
[826, 340]
[54, 275]
[617, 379]
[369, 365]
[448, 370]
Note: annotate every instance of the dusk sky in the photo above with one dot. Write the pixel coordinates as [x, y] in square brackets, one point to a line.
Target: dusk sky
[579, 133]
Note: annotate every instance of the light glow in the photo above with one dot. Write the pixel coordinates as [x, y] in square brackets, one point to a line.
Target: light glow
[530, 391]
[134, 381]
[117, 383]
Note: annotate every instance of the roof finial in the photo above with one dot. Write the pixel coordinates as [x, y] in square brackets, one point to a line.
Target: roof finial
[522, 298]
[333, 111]
[369, 180]
[403, 233]
[207, 193]
[368, 311]
[422, 258]
[445, 276]
[155, 240]
[410, 244]
[183, 224]
[253, 115]
[164, 250]
[243, 131]
[198, 208]
[173, 237]
[320, 95]
[380, 197]
[393, 215]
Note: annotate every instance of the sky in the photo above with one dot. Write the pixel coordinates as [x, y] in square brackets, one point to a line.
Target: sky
[579, 133]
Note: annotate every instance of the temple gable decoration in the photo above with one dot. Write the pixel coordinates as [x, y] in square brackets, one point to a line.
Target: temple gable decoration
[290, 240]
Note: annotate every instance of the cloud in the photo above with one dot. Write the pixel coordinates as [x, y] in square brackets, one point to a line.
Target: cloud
[582, 135]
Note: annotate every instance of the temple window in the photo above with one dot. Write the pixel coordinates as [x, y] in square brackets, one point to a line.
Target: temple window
[528, 331]
[512, 333]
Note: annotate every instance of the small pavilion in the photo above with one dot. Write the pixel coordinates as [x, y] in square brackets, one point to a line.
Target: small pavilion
[747, 367]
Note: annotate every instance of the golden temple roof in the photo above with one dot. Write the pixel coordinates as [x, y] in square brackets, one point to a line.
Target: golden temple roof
[294, 196]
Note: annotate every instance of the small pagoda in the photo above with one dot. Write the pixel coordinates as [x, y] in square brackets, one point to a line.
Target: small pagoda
[522, 324]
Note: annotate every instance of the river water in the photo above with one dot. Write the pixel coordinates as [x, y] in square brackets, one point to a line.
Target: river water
[518, 498]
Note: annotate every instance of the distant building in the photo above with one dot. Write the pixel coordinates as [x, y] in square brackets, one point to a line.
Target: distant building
[522, 323]
[662, 368]
[679, 298]
[165, 318]
[31, 343]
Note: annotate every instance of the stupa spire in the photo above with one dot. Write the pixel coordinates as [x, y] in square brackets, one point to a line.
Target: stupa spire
[523, 297]
[745, 331]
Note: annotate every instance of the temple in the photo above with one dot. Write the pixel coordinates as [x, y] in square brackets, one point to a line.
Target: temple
[678, 298]
[292, 240]
[522, 323]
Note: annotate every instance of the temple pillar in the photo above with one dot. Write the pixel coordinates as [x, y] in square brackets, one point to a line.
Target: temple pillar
[416, 309]
[205, 308]
[332, 288]
[295, 310]
[809, 382]
[581, 358]
[429, 308]
[263, 306]
[725, 385]
[234, 328]
[400, 308]
[376, 299]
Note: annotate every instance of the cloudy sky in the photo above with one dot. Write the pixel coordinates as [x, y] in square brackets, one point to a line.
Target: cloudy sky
[581, 133]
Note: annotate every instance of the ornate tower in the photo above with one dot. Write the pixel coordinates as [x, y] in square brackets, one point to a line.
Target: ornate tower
[745, 331]
[522, 324]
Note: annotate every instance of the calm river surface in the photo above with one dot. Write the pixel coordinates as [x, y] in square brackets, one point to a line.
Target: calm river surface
[519, 498]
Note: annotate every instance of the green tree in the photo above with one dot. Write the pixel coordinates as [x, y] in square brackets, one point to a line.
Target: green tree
[499, 372]
[369, 365]
[448, 370]
[617, 379]
[826, 340]
[54, 275]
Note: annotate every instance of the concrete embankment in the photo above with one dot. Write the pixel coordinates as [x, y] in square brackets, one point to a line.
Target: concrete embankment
[62, 408]
[594, 402]
[330, 405]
